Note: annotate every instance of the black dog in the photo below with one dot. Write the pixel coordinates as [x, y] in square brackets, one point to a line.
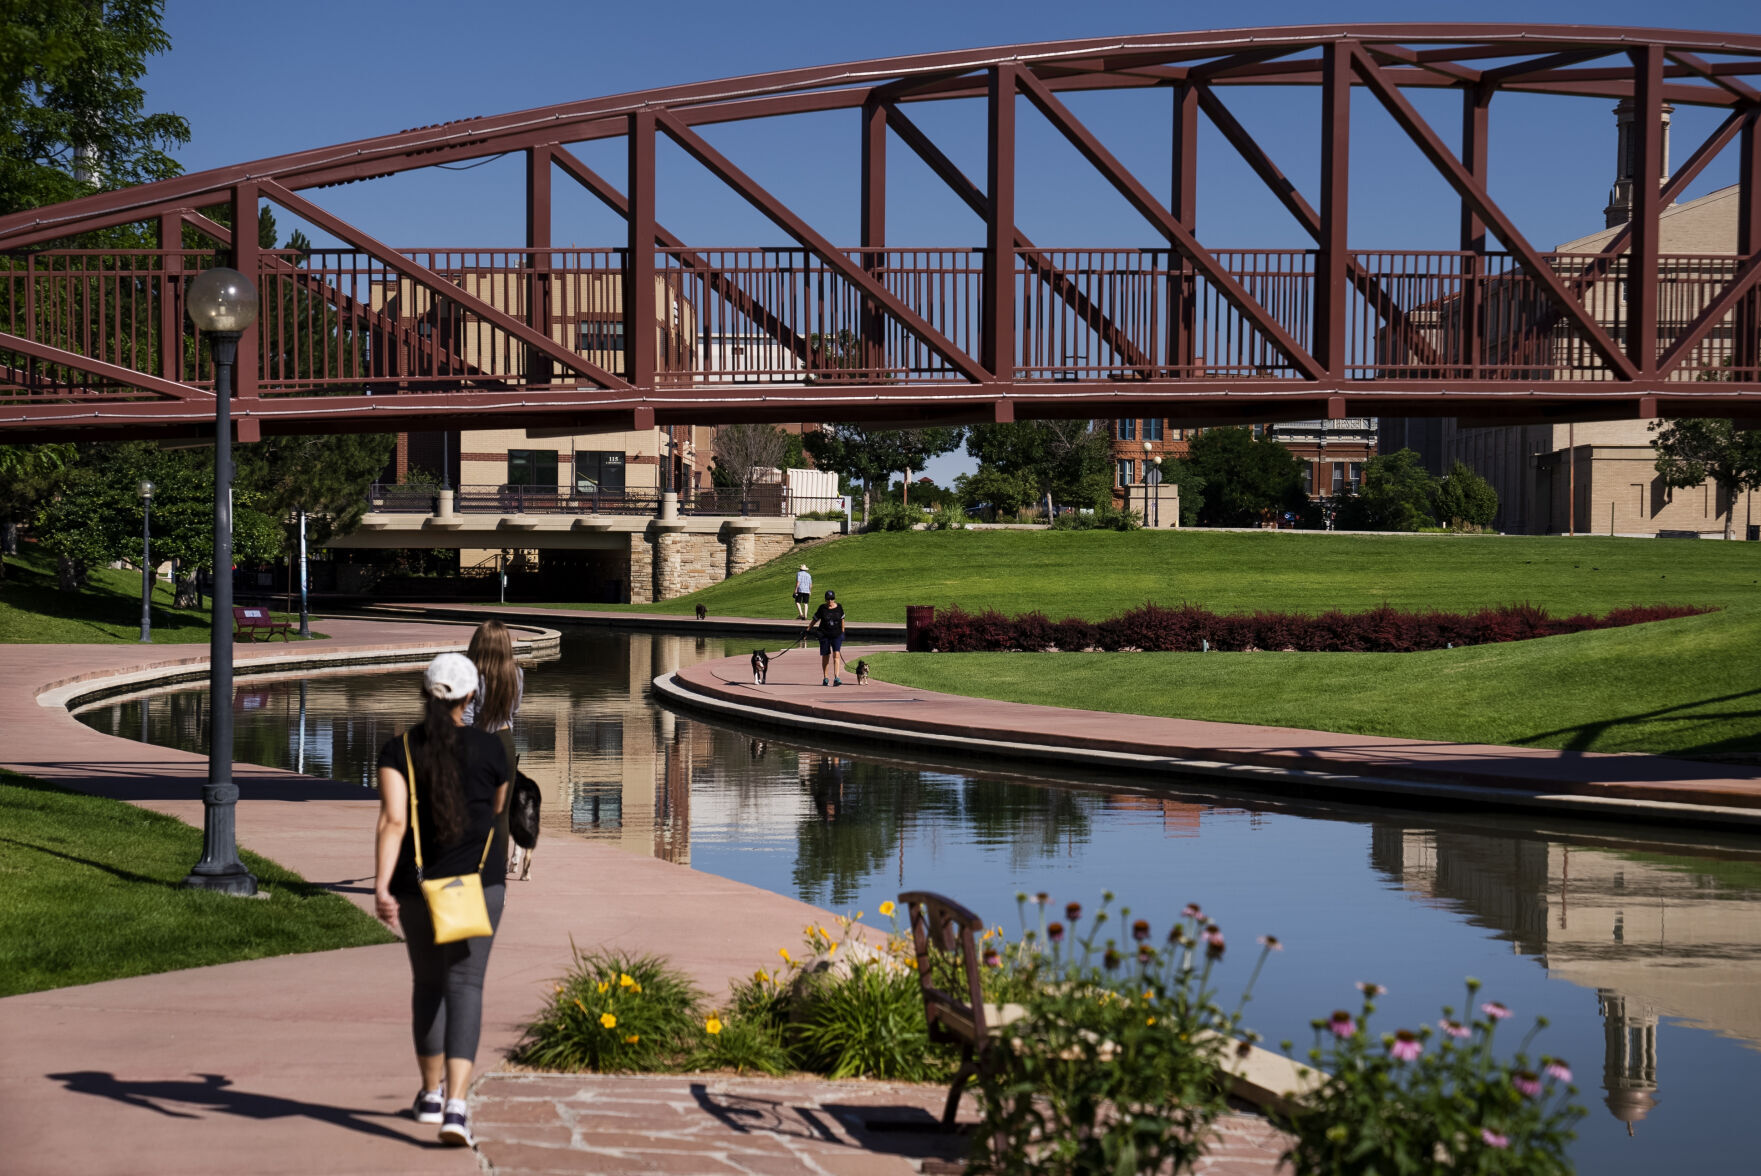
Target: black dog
[523, 824]
[861, 669]
[760, 666]
[702, 612]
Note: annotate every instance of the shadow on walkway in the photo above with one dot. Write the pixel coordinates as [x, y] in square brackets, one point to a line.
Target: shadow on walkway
[215, 1092]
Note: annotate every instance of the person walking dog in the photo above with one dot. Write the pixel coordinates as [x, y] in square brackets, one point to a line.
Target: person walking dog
[442, 786]
[803, 592]
[829, 620]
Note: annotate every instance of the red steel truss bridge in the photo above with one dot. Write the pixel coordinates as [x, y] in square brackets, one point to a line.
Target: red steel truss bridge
[370, 336]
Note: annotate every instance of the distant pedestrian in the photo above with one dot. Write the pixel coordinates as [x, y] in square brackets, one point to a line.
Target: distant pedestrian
[829, 620]
[452, 804]
[803, 592]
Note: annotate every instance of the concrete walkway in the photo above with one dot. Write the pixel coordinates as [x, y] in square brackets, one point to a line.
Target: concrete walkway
[1312, 763]
[301, 1064]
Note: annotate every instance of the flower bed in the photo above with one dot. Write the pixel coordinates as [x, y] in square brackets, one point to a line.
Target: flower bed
[1189, 628]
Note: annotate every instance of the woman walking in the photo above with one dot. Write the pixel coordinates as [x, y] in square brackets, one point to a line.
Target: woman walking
[501, 685]
[445, 783]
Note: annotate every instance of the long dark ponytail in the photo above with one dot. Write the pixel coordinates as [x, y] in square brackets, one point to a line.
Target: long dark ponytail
[437, 755]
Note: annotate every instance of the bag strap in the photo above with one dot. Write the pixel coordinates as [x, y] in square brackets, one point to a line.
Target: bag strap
[416, 833]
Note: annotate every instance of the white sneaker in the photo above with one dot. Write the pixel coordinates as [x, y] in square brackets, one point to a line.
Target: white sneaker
[456, 1127]
[429, 1107]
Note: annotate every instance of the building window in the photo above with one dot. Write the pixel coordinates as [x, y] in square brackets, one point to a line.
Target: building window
[532, 467]
[1314, 478]
[1152, 429]
[1176, 434]
[599, 473]
[602, 335]
[1355, 472]
[1127, 470]
[1128, 430]
[1258, 431]
[1338, 477]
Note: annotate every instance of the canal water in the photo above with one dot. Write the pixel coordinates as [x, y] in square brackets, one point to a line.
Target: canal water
[1642, 946]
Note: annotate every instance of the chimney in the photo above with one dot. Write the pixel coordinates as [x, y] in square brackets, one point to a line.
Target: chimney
[1620, 197]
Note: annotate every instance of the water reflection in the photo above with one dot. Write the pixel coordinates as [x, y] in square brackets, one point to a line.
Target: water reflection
[1651, 934]
[1636, 944]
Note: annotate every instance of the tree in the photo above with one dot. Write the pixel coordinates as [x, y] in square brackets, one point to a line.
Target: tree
[1398, 494]
[1692, 451]
[1465, 498]
[870, 455]
[28, 473]
[327, 477]
[1064, 461]
[742, 450]
[1247, 479]
[94, 515]
[991, 489]
[71, 104]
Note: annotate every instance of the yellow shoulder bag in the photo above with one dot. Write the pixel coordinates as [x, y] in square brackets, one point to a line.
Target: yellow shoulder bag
[455, 904]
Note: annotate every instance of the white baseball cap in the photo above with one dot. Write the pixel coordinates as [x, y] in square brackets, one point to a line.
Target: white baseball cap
[450, 677]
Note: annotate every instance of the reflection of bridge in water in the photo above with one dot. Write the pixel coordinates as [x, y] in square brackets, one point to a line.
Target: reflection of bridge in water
[1650, 935]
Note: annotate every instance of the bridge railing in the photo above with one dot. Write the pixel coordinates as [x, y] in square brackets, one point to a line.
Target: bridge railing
[343, 320]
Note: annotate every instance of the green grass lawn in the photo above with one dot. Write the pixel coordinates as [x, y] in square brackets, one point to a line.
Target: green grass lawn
[89, 890]
[34, 611]
[1095, 574]
[1686, 687]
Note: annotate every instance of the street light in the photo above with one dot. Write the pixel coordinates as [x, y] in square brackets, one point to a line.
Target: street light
[146, 491]
[222, 304]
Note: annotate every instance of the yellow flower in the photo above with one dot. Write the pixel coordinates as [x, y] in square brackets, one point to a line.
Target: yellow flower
[784, 952]
[635, 988]
[608, 1021]
[1149, 994]
[579, 1005]
[761, 976]
[887, 909]
[624, 980]
[858, 916]
[559, 987]
[712, 1026]
[632, 1039]
[832, 948]
[603, 985]
[1150, 1021]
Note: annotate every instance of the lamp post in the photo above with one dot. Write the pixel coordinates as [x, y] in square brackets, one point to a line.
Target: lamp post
[146, 490]
[222, 304]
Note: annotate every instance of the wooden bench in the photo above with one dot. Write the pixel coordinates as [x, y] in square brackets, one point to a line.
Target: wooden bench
[942, 927]
[249, 622]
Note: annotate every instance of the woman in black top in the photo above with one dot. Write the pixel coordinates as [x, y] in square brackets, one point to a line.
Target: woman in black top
[461, 786]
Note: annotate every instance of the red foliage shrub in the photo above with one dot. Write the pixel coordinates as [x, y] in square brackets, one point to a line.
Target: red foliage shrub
[1074, 635]
[1153, 627]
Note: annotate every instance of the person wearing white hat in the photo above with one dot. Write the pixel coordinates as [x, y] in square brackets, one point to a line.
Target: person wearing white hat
[803, 592]
[460, 788]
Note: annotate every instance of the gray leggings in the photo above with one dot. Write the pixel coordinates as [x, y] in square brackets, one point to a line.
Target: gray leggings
[446, 1004]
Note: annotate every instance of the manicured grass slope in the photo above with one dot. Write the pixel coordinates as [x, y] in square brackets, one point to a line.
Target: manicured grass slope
[34, 611]
[1096, 574]
[1691, 686]
[89, 890]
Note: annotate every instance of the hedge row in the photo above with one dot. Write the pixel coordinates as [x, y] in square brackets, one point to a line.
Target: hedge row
[1189, 628]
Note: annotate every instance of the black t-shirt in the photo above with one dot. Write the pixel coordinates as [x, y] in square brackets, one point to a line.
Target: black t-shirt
[830, 619]
[483, 771]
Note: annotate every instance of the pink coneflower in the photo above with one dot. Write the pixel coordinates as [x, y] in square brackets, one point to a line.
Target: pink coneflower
[1527, 1083]
[1213, 942]
[1493, 1139]
[1042, 898]
[1270, 943]
[1495, 1010]
[1055, 932]
[1178, 935]
[1192, 911]
[1406, 1047]
[1453, 1028]
[992, 959]
[1557, 1069]
[1140, 930]
[1145, 953]
[1110, 960]
[1073, 911]
[1341, 1024]
[1370, 988]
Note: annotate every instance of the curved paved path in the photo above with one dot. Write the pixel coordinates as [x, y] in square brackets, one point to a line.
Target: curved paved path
[1642, 787]
[300, 1064]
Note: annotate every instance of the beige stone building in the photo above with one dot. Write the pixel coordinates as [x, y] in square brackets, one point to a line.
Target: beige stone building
[1595, 477]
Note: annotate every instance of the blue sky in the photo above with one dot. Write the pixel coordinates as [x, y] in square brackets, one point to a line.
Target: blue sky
[256, 80]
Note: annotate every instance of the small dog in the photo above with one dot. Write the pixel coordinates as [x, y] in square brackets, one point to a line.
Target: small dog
[523, 806]
[702, 612]
[861, 669]
[760, 666]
